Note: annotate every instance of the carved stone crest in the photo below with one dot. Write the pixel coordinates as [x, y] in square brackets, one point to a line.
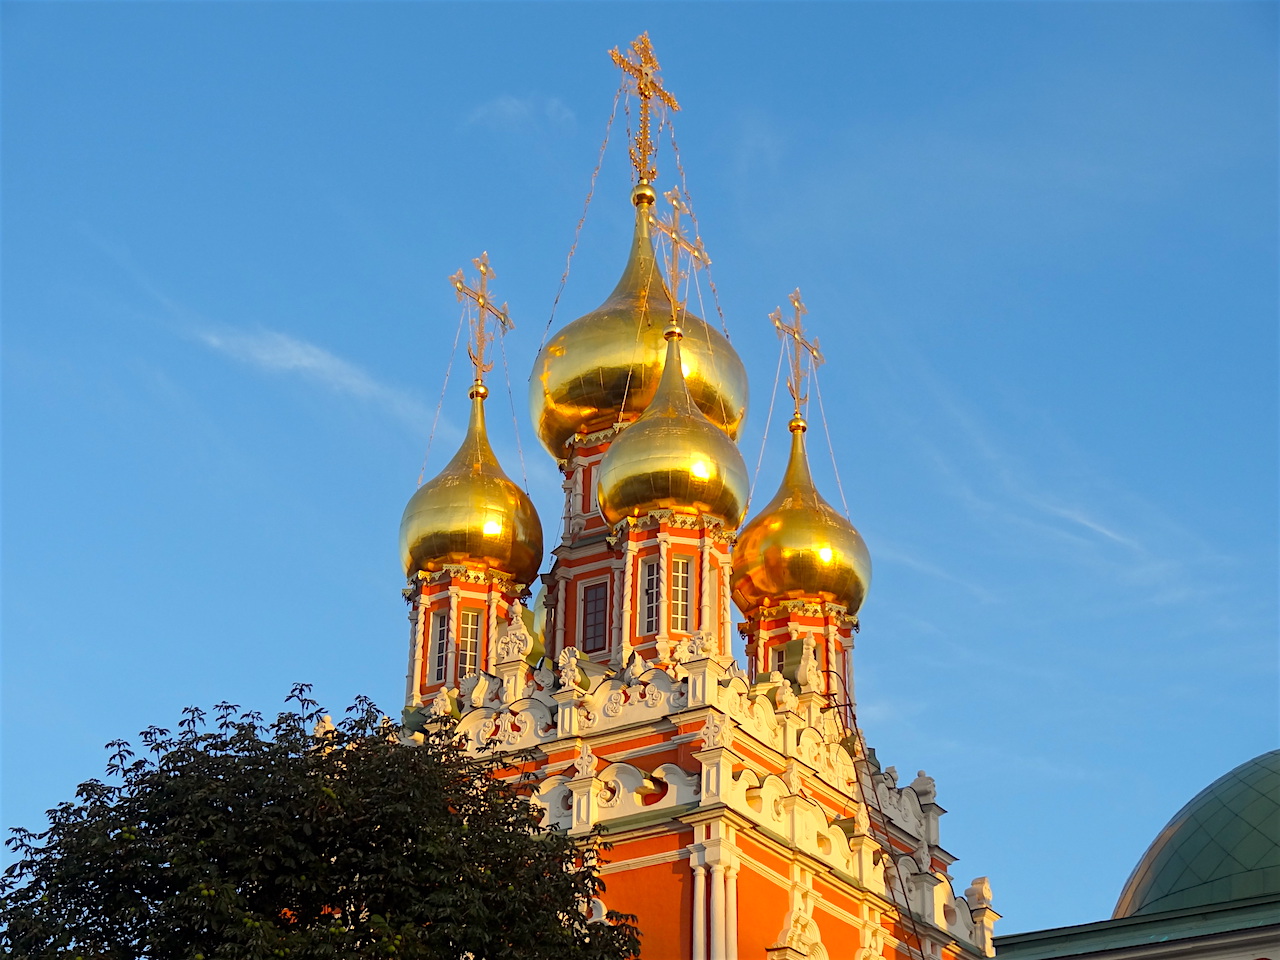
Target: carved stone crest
[584, 765]
[717, 731]
[567, 667]
[442, 705]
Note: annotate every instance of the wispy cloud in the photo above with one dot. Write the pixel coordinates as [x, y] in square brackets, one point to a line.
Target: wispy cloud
[507, 112]
[886, 551]
[1051, 503]
[267, 349]
[278, 352]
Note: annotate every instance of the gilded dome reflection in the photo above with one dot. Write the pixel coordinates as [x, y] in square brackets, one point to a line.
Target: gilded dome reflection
[673, 457]
[472, 513]
[799, 546]
[604, 367]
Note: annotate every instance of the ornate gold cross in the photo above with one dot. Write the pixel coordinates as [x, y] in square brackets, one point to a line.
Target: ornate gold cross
[643, 71]
[795, 383]
[480, 337]
[670, 227]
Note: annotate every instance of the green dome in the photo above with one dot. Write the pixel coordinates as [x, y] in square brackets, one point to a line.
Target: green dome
[1222, 846]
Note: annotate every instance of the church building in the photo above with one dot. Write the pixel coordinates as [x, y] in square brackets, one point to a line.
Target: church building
[747, 816]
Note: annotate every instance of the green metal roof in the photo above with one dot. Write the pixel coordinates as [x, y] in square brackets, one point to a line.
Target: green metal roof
[1109, 936]
[1224, 845]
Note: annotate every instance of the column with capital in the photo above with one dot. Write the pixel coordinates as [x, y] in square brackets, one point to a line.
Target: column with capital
[717, 912]
[704, 582]
[661, 641]
[562, 587]
[726, 607]
[418, 636]
[451, 663]
[699, 910]
[731, 911]
[624, 601]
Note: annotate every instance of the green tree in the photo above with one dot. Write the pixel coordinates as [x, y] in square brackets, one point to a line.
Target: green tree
[239, 839]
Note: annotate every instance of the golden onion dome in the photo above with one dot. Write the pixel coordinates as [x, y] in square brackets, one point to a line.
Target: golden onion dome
[604, 367]
[471, 513]
[799, 546]
[673, 457]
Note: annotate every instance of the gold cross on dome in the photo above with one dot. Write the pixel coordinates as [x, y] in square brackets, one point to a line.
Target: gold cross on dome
[643, 72]
[795, 382]
[480, 337]
[670, 227]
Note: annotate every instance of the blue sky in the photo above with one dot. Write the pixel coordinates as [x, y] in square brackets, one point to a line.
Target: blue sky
[1038, 243]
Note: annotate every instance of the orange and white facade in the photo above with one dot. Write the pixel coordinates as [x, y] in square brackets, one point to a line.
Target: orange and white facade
[729, 792]
[746, 818]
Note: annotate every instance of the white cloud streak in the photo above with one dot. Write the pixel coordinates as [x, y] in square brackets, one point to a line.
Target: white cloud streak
[267, 349]
[278, 352]
[508, 113]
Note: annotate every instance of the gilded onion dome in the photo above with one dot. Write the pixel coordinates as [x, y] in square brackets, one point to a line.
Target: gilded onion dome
[673, 457]
[604, 367]
[471, 513]
[799, 546]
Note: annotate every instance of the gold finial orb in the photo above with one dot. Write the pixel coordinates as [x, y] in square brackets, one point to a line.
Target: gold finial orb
[673, 457]
[799, 547]
[603, 368]
[472, 514]
[643, 192]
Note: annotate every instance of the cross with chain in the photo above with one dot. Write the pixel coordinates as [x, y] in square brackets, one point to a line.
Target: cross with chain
[795, 383]
[480, 337]
[643, 72]
[692, 248]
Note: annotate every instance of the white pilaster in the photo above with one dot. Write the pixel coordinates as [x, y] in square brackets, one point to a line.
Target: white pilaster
[491, 631]
[726, 607]
[664, 541]
[451, 662]
[717, 912]
[731, 911]
[699, 912]
[628, 588]
[562, 588]
[704, 584]
[419, 633]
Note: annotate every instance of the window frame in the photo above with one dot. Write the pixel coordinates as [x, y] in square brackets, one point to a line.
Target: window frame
[465, 642]
[651, 591]
[680, 603]
[583, 591]
[439, 640]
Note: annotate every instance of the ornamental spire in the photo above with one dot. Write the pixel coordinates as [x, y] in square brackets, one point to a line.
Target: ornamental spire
[795, 382]
[480, 336]
[642, 71]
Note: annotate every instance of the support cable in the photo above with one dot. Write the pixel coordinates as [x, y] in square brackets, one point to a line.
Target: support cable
[813, 372]
[515, 422]
[564, 277]
[767, 420]
[453, 352]
[697, 233]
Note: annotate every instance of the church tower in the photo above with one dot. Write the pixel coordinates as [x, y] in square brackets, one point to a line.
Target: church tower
[746, 816]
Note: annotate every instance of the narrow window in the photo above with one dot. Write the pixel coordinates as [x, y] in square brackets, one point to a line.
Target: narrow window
[680, 596]
[469, 634]
[779, 658]
[594, 615]
[650, 581]
[441, 643]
